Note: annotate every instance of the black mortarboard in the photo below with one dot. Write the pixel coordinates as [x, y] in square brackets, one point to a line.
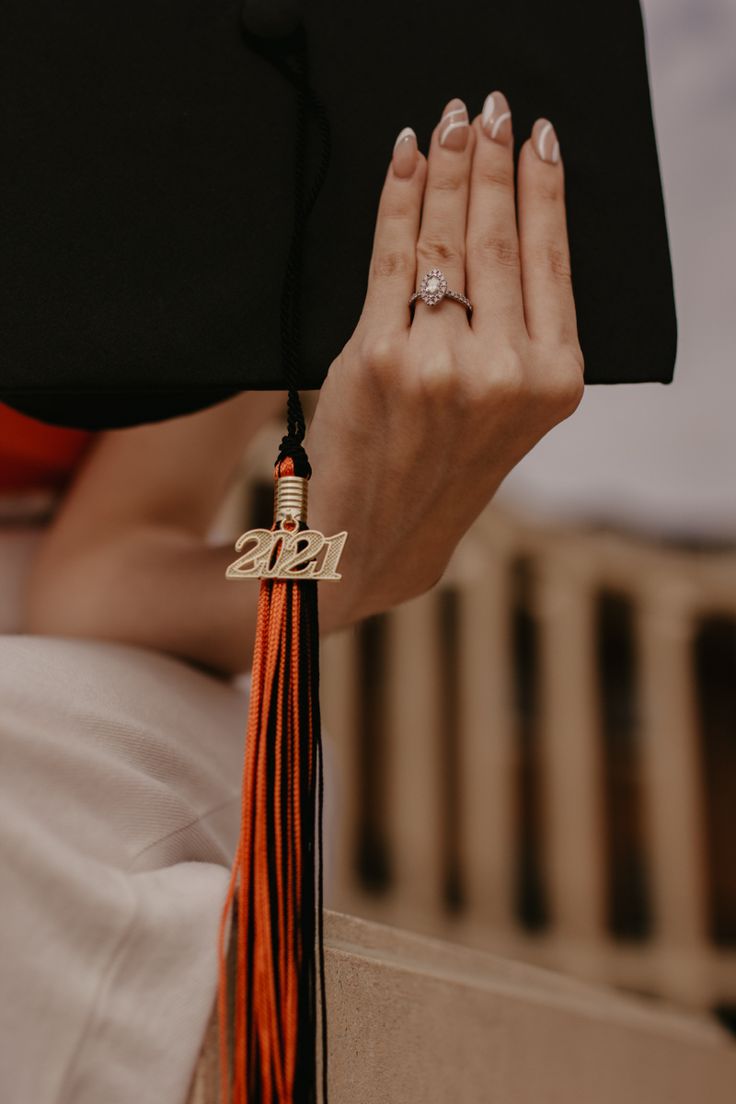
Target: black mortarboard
[148, 195]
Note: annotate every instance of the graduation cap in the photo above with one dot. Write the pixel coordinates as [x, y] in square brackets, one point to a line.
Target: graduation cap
[149, 191]
[189, 203]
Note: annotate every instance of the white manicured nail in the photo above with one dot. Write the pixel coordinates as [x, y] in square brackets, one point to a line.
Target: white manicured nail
[405, 153]
[544, 140]
[453, 127]
[496, 118]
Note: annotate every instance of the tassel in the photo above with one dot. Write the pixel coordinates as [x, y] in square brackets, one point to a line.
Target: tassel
[274, 899]
[274, 908]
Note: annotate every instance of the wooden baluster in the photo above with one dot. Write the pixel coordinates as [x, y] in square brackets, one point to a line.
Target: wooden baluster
[339, 700]
[673, 788]
[486, 744]
[414, 758]
[571, 750]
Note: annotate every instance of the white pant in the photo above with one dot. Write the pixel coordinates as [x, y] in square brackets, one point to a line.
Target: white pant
[119, 812]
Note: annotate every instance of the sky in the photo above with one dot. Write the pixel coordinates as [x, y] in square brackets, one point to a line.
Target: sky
[663, 459]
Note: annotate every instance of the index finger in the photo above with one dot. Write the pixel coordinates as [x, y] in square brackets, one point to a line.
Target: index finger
[392, 273]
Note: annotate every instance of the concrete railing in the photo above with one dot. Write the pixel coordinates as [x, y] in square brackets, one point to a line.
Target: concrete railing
[446, 774]
[415, 1021]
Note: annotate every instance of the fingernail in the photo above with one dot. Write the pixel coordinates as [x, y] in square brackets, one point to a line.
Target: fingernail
[496, 118]
[544, 140]
[453, 132]
[405, 153]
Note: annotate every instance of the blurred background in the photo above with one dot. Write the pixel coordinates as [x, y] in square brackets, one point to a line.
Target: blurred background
[661, 459]
[539, 757]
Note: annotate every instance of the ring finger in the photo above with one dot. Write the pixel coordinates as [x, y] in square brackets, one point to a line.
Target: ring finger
[441, 241]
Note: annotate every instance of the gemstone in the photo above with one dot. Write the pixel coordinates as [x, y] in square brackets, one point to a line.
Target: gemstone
[433, 285]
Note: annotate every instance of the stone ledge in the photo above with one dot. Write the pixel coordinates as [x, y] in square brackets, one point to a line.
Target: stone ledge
[417, 1021]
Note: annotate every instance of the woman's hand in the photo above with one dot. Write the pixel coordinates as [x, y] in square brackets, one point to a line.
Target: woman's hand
[419, 422]
[415, 427]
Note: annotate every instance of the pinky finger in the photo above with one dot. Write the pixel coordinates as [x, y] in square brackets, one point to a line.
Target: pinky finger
[549, 306]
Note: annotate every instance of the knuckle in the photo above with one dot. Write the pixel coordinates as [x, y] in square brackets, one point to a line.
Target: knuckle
[548, 188]
[556, 259]
[436, 377]
[510, 377]
[570, 396]
[566, 384]
[381, 354]
[447, 182]
[559, 263]
[396, 209]
[496, 177]
[496, 248]
[432, 250]
[392, 262]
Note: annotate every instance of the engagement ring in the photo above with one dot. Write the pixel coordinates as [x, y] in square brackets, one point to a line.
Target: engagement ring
[433, 289]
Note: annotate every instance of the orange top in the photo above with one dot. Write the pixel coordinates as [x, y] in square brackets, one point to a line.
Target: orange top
[36, 455]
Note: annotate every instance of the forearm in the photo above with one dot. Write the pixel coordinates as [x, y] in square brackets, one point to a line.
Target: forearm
[156, 587]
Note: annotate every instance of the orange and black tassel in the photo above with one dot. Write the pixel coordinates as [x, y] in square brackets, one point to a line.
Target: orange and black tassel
[273, 913]
[275, 892]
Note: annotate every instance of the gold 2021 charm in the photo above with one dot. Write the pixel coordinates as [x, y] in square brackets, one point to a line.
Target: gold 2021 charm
[286, 551]
[287, 554]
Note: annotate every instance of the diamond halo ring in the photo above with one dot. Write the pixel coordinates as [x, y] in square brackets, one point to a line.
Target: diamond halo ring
[433, 289]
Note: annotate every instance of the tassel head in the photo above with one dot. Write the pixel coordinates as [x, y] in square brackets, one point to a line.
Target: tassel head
[290, 499]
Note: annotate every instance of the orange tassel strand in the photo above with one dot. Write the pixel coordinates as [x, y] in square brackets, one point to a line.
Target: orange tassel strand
[274, 899]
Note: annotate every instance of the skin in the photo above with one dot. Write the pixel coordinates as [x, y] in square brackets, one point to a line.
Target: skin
[415, 428]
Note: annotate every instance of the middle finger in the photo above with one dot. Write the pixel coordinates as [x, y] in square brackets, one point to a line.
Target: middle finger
[441, 241]
[493, 265]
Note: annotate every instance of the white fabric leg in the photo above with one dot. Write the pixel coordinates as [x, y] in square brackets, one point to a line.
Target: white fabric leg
[119, 811]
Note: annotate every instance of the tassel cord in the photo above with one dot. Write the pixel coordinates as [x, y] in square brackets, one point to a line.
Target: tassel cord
[275, 896]
[290, 57]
